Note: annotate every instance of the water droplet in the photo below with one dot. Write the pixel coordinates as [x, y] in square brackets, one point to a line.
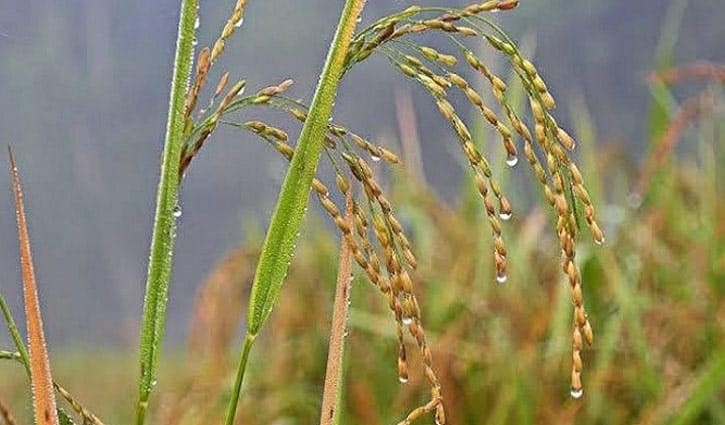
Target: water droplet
[346, 333]
[600, 241]
[375, 158]
[359, 19]
[438, 422]
[197, 23]
[505, 216]
[512, 160]
[239, 23]
[153, 383]
[407, 320]
[194, 42]
[576, 393]
[501, 278]
[403, 379]
[177, 211]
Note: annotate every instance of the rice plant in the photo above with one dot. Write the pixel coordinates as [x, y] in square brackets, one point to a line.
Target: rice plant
[374, 236]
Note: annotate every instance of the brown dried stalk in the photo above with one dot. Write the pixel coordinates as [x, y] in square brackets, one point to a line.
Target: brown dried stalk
[690, 109]
[42, 383]
[5, 414]
[338, 328]
[693, 71]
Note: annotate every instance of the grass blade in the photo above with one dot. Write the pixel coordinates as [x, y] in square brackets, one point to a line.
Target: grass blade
[283, 231]
[284, 228]
[709, 381]
[162, 240]
[665, 51]
[40, 377]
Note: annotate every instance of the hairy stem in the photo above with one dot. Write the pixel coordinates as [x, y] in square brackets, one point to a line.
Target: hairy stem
[329, 412]
[162, 240]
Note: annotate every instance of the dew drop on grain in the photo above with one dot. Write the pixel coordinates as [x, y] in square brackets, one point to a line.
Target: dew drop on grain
[576, 393]
[501, 278]
[512, 160]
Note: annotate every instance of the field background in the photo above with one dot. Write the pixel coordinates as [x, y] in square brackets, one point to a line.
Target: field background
[84, 92]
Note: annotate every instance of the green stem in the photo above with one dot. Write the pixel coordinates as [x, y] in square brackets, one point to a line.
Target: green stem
[15, 333]
[234, 399]
[283, 231]
[162, 240]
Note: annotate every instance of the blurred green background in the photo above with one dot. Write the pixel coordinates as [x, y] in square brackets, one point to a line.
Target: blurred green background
[83, 103]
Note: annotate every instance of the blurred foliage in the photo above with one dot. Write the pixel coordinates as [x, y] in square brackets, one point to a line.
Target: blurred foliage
[502, 351]
[655, 290]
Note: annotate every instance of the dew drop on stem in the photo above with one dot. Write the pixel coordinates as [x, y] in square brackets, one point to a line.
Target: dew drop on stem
[501, 278]
[239, 23]
[505, 216]
[576, 393]
[512, 160]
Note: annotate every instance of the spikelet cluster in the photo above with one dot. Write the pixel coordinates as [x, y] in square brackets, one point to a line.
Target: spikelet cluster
[560, 179]
[378, 240]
